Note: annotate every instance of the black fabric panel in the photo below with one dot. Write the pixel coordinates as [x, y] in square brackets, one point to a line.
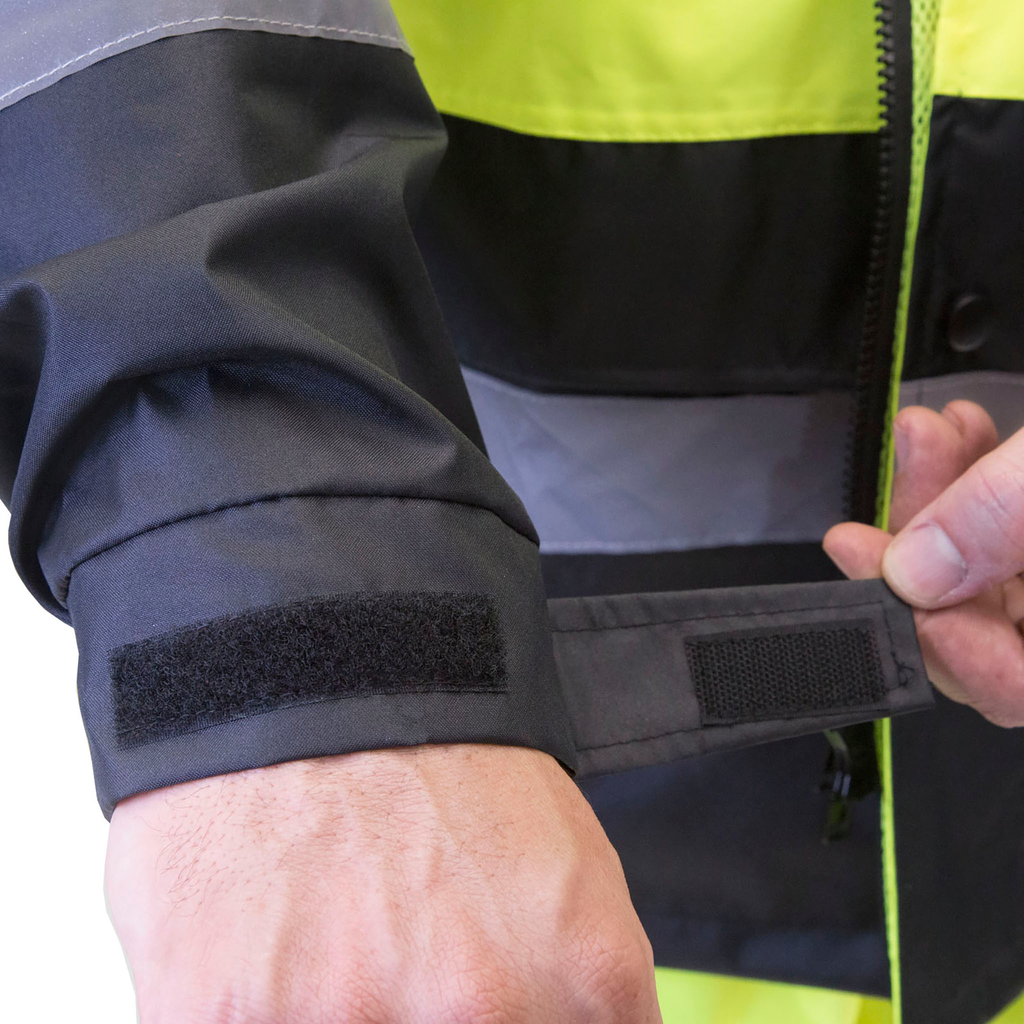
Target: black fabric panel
[971, 239]
[653, 268]
[959, 801]
[727, 869]
[351, 645]
[699, 569]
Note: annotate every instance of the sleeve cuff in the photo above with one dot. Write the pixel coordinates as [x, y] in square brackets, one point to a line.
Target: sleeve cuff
[309, 625]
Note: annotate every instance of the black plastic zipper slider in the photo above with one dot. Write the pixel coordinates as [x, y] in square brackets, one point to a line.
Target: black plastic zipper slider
[851, 773]
[836, 781]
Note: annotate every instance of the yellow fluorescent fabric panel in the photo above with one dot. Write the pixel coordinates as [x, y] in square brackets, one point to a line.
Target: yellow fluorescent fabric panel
[650, 70]
[687, 997]
[981, 49]
[1013, 1014]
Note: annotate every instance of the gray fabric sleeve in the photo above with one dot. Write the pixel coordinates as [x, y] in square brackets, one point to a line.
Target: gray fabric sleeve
[45, 40]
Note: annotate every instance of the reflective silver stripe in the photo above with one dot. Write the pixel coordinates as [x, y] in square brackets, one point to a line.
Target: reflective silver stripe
[42, 41]
[1002, 394]
[611, 475]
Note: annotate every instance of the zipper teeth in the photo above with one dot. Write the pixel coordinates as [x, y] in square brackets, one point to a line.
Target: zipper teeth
[873, 358]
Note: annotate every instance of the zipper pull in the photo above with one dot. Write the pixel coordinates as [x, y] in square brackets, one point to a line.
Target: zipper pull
[836, 781]
[851, 773]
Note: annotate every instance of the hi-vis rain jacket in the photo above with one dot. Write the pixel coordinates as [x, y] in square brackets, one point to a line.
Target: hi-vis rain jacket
[256, 336]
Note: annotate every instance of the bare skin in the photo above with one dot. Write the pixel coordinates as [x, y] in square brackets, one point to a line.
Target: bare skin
[427, 885]
[958, 549]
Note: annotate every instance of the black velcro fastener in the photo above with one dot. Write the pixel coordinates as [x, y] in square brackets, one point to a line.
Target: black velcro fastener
[761, 674]
[349, 645]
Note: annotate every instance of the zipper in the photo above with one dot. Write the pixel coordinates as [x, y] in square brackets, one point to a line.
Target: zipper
[871, 387]
[872, 381]
[905, 31]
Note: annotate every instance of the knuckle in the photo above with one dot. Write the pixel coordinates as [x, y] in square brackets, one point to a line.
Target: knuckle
[999, 699]
[618, 972]
[1005, 718]
[223, 1008]
[981, 669]
[477, 997]
[301, 1002]
[350, 988]
[1000, 492]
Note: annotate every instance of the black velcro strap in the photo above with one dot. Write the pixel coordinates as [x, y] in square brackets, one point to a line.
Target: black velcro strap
[348, 645]
[757, 674]
[649, 678]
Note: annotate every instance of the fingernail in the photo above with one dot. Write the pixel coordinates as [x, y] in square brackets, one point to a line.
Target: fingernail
[901, 446]
[924, 564]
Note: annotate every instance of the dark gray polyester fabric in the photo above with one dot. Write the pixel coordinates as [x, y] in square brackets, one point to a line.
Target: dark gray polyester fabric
[282, 550]
[629, 680]
[213, 310]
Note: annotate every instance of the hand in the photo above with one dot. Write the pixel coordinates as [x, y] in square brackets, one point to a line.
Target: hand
[958, 507]
[434, 884]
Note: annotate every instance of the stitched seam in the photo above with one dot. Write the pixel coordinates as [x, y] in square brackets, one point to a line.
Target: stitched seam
[288, 497]
[794, 380]
[716, 618]
[655, 545]
[196, 21]
[244, 715]
[658, 126]
[488, 380]
[856, 112]
[884, 702]
[930, 385]
[896, 663]
[881, 704]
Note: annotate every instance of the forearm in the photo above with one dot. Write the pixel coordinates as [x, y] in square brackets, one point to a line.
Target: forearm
[440, 883]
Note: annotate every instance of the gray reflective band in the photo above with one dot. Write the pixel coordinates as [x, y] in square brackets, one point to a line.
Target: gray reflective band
[1002, 394]
[649, 678]
[611, 475]
[42, 41]
[614, 475]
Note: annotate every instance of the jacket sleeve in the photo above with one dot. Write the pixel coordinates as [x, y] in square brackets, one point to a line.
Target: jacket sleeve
[234, 438]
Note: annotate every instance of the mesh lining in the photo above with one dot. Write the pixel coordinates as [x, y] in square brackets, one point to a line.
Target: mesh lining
[767, 674]
[924, 19]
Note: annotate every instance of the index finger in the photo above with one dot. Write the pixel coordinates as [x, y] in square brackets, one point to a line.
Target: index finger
[932, 450]
[966, 540]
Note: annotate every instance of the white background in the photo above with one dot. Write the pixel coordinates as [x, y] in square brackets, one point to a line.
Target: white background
[60, 961]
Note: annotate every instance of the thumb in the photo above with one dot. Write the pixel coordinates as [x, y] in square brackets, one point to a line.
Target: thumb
[968, 539]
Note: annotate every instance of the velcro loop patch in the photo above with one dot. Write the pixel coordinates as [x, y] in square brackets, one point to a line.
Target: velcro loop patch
[348, 645]
[763, 674]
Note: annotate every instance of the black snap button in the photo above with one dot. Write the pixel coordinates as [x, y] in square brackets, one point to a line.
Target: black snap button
[970, 323]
